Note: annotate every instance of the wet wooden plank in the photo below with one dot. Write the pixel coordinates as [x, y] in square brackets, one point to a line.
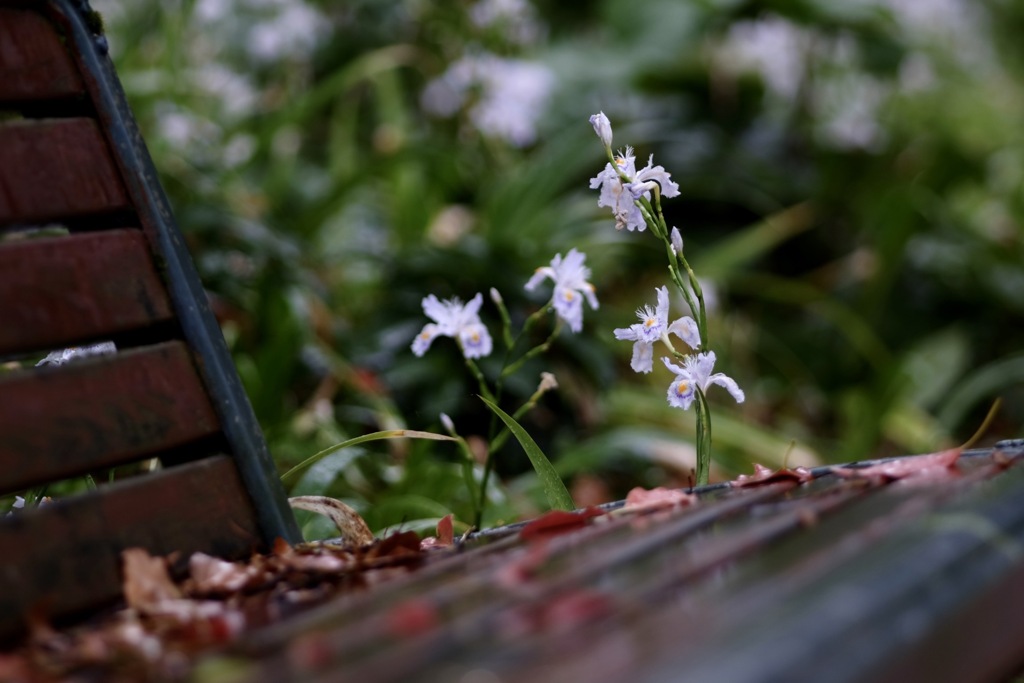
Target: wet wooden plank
[34, 65]
[59, 291]
[65, 557]
[58, 422]
[54, 168]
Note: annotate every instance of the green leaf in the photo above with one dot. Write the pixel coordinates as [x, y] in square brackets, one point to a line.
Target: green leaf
[375, 436]
[555, 491]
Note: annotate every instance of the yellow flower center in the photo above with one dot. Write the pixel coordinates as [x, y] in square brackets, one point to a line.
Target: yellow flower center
[650, 322]
[682, 388]
[569, 295]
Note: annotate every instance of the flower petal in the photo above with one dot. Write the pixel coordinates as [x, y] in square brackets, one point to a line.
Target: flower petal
[471, 311]
[681, 393]
[686, 329]
[662, 310]
[729, 384]
[538, 277]
[569, 305]
[626, 333]
[424, 339]
[643, 357]
[435, 310]
[701, 367]
[659, 175]
[475, 341]
[675, 368]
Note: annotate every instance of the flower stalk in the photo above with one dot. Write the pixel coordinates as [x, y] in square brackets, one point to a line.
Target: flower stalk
[461, 322]
[635, 200]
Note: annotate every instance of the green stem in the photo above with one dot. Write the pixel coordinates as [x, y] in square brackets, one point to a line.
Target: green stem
[677, 277]
[467, 474]
[702, 320]
[703, 439]
[535, 351]
[475, 369]
[506, 321]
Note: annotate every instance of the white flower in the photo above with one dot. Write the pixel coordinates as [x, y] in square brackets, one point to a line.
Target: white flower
[571, 286]
[603, 128]
[696, 374]
[460, 322]
[620, 197]
[653, 326]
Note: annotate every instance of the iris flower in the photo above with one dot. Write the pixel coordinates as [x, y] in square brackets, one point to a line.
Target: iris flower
[571, 286]
[653, 326]
[694, 374]
[619, 197]
[459, 321]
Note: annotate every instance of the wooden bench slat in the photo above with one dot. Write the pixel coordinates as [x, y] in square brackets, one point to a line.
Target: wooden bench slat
[201, 506]
[57, 292]
[56, 168]
[64, 421]
[34, 65]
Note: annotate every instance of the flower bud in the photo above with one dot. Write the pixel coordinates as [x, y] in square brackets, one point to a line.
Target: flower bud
[677, 240]
[547, 382]
[448, 424]
[496, 296]
[603, 128]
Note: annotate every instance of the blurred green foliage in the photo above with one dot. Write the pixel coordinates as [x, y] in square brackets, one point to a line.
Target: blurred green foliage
[852, 180]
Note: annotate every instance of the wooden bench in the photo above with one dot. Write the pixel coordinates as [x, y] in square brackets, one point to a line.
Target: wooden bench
[786, 577]
[116, 270]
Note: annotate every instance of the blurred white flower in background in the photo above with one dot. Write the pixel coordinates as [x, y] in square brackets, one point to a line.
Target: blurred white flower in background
[516, 18]
[504, 97]
[844, 100]
[847, 109]
[293, 31]
[279, 29]
[773, 47]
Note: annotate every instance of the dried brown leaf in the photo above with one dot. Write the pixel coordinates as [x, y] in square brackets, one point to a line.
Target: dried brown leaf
[214, 575]
[350, 525]
[657, 498]
[146, 580]
[557, 522]
[395, 545]
[932, 465]
[445, 535]
[765, 475]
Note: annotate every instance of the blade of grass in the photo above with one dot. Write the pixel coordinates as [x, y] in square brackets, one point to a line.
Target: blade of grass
[555, 491]
[375, 436]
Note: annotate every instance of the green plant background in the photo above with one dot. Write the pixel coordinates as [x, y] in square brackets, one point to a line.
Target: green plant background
[853, 196]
